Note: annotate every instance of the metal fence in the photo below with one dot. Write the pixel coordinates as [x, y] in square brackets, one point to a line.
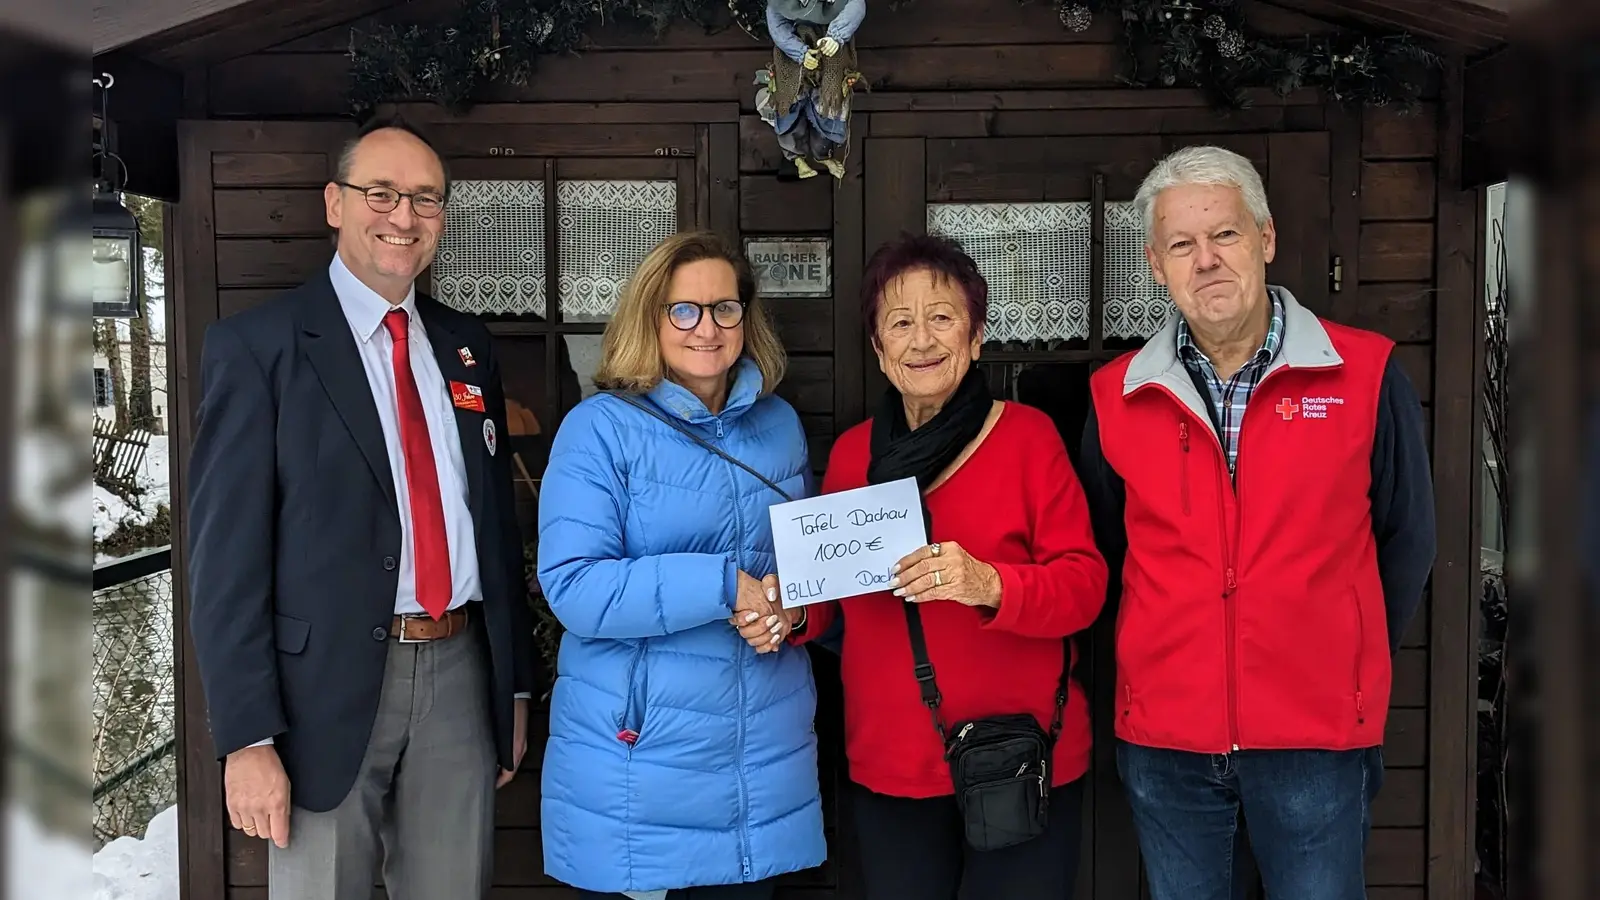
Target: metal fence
[135, 767]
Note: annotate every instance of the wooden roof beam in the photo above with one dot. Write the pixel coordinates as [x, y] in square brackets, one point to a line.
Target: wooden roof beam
[1469, 25]
[118, 23]
[211, 31]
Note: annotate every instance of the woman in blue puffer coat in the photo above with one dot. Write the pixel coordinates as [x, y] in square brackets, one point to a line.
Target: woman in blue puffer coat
[681, 754]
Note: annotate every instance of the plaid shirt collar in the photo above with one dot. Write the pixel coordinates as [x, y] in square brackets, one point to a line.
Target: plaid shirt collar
[1230, 399]
[1196, 361]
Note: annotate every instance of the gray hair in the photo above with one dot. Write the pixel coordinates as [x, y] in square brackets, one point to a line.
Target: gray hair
[1202, 165]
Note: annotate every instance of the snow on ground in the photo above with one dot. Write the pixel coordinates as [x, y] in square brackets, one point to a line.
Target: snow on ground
[41, 865]
[109, 509]
[129, 868]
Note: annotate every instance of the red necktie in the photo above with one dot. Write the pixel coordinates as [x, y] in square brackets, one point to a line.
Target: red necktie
[430, 550]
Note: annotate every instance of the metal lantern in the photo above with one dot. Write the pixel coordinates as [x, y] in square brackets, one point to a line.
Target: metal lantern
[118, 260]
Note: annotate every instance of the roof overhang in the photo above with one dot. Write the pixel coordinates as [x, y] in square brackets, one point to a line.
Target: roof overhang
[183, 34]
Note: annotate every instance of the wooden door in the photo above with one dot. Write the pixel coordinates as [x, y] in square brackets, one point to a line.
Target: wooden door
[1051, 223]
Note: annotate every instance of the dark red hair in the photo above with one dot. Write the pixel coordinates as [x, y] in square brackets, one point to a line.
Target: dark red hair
[941, 256]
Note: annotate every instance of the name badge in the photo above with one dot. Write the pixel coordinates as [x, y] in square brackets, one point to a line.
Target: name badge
[467, 396]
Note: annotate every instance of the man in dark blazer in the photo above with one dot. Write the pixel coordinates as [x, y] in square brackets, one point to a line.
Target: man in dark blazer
[356, 575]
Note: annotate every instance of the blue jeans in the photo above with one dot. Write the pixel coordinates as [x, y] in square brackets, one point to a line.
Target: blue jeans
[1307, 812]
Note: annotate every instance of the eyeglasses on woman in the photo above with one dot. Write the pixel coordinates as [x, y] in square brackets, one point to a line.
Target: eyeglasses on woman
[686, 316]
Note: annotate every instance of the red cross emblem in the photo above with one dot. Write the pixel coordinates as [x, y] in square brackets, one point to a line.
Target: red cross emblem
[1287, 408]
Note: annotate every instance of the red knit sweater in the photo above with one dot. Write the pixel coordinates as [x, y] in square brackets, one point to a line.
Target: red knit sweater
[1015, 504]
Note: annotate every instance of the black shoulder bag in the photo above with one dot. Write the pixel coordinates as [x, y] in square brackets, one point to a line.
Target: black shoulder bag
[687, 432]
[1000, 765]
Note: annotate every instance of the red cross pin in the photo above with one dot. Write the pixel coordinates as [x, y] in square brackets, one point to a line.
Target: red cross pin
[1287, 408]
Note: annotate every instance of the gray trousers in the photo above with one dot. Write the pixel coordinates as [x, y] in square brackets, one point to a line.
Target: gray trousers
[424, 794]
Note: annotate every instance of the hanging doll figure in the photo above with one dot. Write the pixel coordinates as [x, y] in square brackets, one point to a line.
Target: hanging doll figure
[805, 93]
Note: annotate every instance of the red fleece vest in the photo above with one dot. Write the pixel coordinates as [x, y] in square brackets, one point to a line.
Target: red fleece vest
[1252, 616]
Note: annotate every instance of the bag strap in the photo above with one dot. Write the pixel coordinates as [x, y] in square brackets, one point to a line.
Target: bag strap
[930, 689]
[923, 669]
[685, 430]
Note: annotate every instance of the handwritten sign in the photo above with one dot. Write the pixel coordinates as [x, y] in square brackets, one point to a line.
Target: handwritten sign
[844, 544]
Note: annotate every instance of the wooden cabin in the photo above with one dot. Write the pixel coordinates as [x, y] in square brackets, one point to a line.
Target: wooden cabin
[980, 116]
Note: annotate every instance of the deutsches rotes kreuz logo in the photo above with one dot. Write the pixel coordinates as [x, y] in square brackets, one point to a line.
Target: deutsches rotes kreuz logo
[1317, 407]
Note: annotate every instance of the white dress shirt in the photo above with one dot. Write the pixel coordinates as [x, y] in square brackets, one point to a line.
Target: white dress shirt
[364, 310]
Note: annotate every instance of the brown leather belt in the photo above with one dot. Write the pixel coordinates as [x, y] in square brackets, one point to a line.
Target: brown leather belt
[419, 629]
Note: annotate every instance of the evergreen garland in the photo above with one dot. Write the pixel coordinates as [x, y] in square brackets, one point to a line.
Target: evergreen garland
[1206, 44]
[1201, 44]
[450, 61]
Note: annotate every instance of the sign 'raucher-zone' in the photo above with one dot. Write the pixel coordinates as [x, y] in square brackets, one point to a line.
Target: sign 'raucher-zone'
[790, 267]
[845, 544]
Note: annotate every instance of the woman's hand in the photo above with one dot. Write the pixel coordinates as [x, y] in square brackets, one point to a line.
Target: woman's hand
[758, 617]
[945, 571]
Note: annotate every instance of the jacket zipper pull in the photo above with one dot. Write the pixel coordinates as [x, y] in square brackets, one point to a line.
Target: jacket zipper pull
[1232, 584]
[1183, 436]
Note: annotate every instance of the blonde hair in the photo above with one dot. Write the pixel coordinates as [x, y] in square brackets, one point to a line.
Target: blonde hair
[630, 350]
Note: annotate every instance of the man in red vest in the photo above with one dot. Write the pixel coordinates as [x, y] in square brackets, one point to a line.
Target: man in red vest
[1262, 592]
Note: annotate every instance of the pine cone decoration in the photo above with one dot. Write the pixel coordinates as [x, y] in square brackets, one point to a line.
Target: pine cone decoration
[1214, 26]
[1231, 45]
[1076, 17]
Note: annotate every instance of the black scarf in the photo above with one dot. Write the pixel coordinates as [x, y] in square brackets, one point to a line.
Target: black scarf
[899, 452]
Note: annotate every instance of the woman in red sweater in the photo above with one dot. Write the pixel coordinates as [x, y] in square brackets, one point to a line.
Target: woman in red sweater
[1011, 569]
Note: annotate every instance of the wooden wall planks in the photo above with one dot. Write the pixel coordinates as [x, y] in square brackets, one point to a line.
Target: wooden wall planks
[278, 262]
[1065, 124]
[1397, 251]
[1026, 169]
[1400, 134]
[1397, 190]
[275, 212]
[805, 323]
[279, 169]
[1400, 310]
[566, 140]
[809, 385]
[1397, 856]
[770, 206]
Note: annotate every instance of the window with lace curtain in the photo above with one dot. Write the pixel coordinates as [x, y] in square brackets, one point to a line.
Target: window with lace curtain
[492, 254]
[1136, 306]
[1035, 257]
[1038, 261]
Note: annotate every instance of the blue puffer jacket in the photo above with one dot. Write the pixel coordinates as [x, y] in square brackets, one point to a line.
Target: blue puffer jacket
[641, 535]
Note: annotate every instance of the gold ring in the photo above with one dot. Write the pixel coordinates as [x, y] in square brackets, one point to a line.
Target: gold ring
[250, 831]
[938, 578]
[934, 549]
